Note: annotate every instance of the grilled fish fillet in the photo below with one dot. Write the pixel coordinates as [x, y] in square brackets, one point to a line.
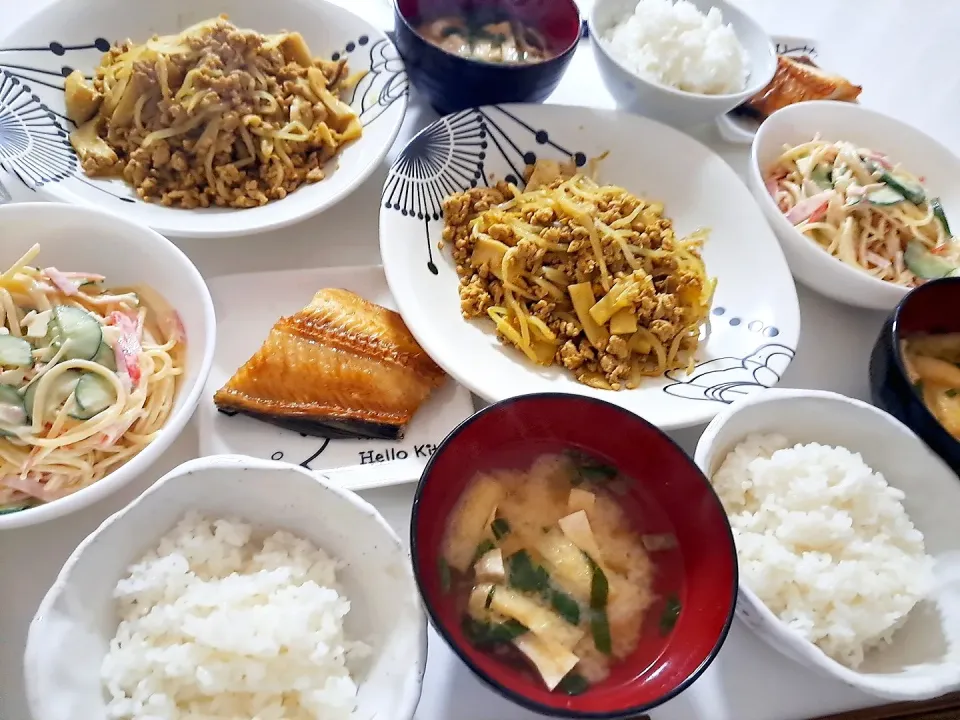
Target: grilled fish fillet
[342, 367]
[796, 80]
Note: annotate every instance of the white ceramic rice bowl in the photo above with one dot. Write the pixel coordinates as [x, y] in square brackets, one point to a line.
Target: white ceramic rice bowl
[923, 661]
[68, 35]
[666, 104]
[917, 152]
[85, 239]
[76, 620]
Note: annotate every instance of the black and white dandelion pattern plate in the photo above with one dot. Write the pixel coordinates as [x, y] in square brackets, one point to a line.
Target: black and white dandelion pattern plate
[755, 321]
[34, 131]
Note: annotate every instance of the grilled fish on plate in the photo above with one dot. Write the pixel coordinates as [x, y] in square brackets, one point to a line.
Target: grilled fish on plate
[342, 367]
[797, 80]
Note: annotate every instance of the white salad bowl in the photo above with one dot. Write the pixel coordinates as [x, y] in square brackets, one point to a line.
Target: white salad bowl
[66, 35]
[915, 151]
[84, 239]
[76, 620]
[923, 660]
[666, 104]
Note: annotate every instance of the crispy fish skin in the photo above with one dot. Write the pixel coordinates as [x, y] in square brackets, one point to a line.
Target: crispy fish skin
[797, 80]
[341, 367]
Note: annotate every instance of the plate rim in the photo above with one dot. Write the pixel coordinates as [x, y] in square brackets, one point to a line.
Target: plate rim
[55, 191]
[709, 408]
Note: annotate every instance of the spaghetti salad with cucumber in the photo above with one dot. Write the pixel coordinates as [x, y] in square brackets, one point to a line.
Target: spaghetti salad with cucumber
[865, 210]
[87, 379]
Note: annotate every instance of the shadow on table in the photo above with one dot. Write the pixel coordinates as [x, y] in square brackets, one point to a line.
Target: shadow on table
[757, 682]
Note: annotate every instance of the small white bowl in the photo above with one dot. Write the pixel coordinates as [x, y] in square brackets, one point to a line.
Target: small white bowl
[666, 104]
[923, 661]
[76, 620]
[91, 240]
[904, 144]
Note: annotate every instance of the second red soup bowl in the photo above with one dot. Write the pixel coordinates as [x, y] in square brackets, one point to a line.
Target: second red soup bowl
[660, 493]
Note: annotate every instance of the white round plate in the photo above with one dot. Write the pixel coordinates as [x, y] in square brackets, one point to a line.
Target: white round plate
[69, 35]
[755, 321]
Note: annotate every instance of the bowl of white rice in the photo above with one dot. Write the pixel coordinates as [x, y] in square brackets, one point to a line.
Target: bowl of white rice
[233, 588]
[682, 62]
[846, 534]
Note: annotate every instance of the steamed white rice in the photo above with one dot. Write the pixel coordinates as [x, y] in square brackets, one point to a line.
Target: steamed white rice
[220, 623]
[675, 44]
[824, 542]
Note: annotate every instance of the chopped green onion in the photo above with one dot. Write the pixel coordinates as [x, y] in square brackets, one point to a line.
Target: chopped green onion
[9, 510]
[573, 684]
[590, 469]
[445, 579]
[566, 606]
[489, 601]
[600, 627]
[599, 593]
[483, 548]
[525, 575]
[599, 587]
[671, 613]
[500, 528]
[598, 473]
[482, 634]
[952, 392]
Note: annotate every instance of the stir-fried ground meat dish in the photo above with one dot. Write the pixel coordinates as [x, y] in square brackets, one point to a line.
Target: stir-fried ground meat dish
[216, 115]
[585, 276]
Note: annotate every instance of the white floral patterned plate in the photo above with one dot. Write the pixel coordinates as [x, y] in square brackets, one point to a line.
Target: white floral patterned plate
[755, 320]
[68, 35]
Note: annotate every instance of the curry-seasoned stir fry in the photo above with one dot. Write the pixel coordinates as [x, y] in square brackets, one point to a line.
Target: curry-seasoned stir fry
[579, 274]
[215, 115]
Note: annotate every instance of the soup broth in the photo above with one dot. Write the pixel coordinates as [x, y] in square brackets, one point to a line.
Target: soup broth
[557, 570]
[933, 365]
[483, 36]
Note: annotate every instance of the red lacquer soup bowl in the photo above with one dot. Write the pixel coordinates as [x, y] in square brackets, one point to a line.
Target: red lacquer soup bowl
[665, 494]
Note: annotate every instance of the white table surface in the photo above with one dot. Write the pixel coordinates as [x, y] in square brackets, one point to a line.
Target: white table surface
[904, 53]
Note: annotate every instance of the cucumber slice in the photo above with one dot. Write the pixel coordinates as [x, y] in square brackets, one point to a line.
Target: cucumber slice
[924, 264]
[884, 197]
[910, 190]
[12, 412]
[57, 395]
[77, 326]
[94, 395]
[821, 176]
[15, 352]
[940, 215]
[106, 357]
[12, 509]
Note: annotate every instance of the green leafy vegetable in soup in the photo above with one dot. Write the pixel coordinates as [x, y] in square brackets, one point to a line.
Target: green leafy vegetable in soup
[547, 570]
[671, 613]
